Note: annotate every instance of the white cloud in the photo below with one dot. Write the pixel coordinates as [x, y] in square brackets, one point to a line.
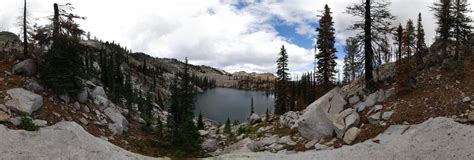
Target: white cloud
[212, 32]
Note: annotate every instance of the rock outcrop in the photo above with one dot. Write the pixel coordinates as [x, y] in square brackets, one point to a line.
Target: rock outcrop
[435, 139]
[23, 101]
[64, 140]
[316, 121]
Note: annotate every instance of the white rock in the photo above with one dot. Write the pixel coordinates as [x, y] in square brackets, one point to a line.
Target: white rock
[360, 106]
[466, 99]
[374, 118]
[83, 121]
[269, 140]
[21, 100]
[339, 126]
[351, 135]
[315, 122]
[354, 99]
[82, 96]
[346, 112]
[470, 117]
[98, 92]
[203, 132]
[16, 121]
[64, 140]
[386, 115]
[352, 120]
[254, 118]
[26, 67]
[120, 122]
[4, 116]
[371, 99]
[377, 108]
[39, 122]
[311, 143]
[319, 146]
[287, 140]
[209, 145]
[34, 86]
[239, 147]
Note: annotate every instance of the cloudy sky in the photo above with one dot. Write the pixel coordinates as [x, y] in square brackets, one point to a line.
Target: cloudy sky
[229, 34]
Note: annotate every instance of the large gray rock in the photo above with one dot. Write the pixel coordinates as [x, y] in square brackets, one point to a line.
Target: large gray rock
[64, 140]
[23, 101]
[120, 123]
[352, 120]
[354, 99]
[351, 135]
[82, 96]
[209, 145]
[98, 92]
[34, 86]
[315, 123]
[371, 99]
[254, 118]
[26, 67]
[239, 147]
[435, 139]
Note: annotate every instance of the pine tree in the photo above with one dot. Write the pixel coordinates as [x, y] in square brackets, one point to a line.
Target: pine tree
[420, 42]
[282, 97]
[200, 122]
[62, 63]
[251, 106]
[376, 23]
[25, 33]
[409, 40]
[352, 60]
[183, 131]
[461, 25]
[444, 18]
[327, 52]
[399, 42]
[227, 127]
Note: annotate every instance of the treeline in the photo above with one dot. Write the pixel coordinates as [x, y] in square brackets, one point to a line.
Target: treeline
[203, 82]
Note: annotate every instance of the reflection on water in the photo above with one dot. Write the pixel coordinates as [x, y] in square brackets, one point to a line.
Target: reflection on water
[220, 103]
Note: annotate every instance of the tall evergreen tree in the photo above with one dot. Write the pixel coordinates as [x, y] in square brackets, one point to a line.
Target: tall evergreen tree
[461, 25]
[376, 23]
[409, 39]
[200, 122]
[251, 106]
[352, 61]
[399, 42]
[282, 96]
[420, 42]
[183, 131]
[227, 127]
[25, 33]
[444, 18]
[326, 64]
[62, 63]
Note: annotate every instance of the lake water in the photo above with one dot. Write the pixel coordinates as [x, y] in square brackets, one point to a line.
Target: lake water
[220, 103]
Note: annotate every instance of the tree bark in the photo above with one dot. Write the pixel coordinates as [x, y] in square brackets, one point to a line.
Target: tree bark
[25, 38]
[56, 23]
[369, 54]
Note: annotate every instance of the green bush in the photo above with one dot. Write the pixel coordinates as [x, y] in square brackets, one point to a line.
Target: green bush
[27, 123]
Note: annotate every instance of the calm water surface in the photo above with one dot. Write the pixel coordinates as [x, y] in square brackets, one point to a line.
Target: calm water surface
[220, 103]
